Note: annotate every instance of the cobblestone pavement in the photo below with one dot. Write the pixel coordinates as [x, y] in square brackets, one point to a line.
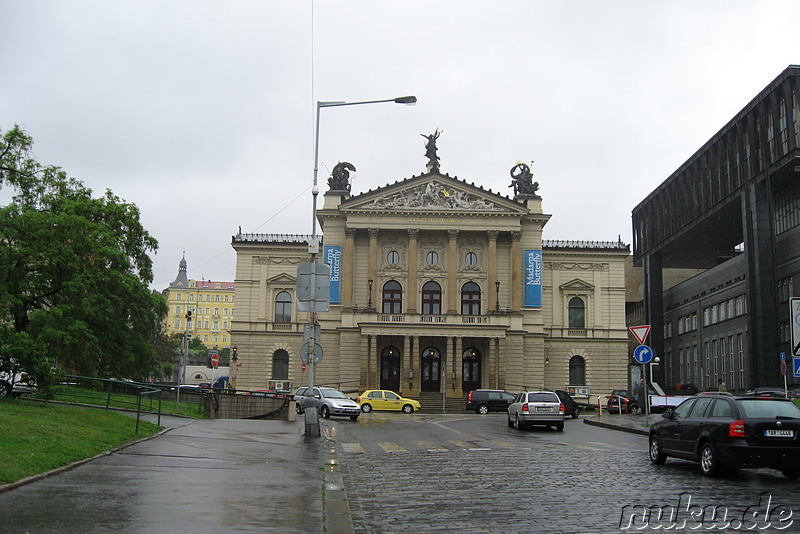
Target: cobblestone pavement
[549, 486]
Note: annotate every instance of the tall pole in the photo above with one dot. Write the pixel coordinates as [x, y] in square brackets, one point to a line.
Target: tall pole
[311, 421]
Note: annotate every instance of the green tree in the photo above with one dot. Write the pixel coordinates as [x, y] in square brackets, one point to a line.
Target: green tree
[74, 271]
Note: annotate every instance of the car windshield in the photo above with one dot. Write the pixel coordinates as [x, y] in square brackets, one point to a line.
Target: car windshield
[769, 408]
[542, 397]
[333, 394]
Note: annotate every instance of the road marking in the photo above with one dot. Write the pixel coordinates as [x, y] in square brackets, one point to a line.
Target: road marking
[389, 446]
[500, 443]
[352, 447]
[430, 446]
[471, 445]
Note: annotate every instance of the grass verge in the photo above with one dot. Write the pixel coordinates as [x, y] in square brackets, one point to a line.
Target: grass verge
[38, 437]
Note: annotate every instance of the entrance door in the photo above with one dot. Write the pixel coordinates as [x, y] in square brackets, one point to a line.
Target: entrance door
[431, 372]
[470, 370]
[390, 368]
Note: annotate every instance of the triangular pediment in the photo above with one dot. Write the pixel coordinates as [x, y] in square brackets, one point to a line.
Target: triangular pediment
[432, 193]
[282, 279]
[576, 285]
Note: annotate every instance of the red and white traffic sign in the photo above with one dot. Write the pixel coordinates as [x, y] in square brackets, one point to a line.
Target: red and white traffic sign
[214, 360]
[640, 332]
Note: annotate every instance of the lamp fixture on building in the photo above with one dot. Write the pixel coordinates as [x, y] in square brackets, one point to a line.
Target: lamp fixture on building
[369, 300]
[546, 360]
[497, 297]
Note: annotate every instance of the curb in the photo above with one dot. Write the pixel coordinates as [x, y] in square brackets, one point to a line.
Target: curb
[612, 426]
[336, 508]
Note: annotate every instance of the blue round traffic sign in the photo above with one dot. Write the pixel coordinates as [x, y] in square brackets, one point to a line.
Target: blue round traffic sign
[643, 354]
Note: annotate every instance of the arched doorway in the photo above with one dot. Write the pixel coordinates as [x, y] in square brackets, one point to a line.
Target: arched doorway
[470, 370]
[390, 368]
[431, 370]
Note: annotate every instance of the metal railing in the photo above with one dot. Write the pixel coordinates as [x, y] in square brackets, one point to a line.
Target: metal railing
[109, 393]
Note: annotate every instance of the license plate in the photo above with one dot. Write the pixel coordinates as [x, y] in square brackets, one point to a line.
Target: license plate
[543, 409]
[771, 433]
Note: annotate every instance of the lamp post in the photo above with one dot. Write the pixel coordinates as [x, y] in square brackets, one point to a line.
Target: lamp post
[234, 360]
[497, 296]
[312, 428]
[369, 298]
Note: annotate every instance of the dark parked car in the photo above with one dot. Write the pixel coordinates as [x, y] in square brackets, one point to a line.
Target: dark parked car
[484, 401]
[571, 408]
[620, 402]
[724, 431]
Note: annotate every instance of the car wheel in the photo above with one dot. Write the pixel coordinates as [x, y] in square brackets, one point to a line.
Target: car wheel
[657, 456]
[559, 427]
[792, 473]
[298, 409]
[576, 412]
[366, 408]
[407, 408]
[5, 389]
[325, 412]
[354, 417]
[517, 422]
[482, 409]
[709, 464]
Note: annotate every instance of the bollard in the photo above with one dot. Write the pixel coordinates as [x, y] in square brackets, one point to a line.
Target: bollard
[311, 422]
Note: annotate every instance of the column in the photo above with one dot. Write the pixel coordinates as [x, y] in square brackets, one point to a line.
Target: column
[654, 310]
[516, 288]
[447, 365]
[373, 264]
[458, 365]
[413, 262]
[762, 278]
[492, 271]
[414, 365]
[405, 377]
[452, 272]
[348, 265]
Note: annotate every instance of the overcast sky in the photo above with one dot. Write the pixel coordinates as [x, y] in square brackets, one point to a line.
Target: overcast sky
[202, 112]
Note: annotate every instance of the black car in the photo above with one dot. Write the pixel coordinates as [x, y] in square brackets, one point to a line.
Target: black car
[484, 401]
[620, 402]
[571, 408]
[725, 431]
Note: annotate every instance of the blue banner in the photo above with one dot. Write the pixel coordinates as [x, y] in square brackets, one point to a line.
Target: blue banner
[533, 279]
[333, 257]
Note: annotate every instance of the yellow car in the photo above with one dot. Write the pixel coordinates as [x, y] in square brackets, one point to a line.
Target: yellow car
[383, 399]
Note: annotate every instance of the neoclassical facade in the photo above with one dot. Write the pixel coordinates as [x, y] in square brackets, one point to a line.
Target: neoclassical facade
[437, 287]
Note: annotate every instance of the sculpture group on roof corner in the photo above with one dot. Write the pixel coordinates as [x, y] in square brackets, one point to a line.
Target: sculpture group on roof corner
[521, 180]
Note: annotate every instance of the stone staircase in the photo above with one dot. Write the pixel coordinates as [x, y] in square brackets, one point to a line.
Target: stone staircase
[432, 403]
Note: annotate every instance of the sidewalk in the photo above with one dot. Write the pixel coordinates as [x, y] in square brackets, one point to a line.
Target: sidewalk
[220, 475]
[636, 424]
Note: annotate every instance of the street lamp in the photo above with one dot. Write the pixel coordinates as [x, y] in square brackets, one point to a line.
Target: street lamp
[369, 298]
[497, 296]
[313, 247]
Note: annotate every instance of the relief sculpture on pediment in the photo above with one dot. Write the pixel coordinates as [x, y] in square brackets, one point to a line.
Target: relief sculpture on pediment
[432, 195]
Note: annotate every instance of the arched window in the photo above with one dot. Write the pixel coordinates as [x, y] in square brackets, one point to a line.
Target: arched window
[280, 365]
[470, 299]
[283, 307]
[577, 313]
[431, 298]
[577, 371]
[392, 297]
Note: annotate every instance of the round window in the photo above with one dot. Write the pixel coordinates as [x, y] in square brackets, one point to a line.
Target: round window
[393, 258]
[471, 259]
[432, 258]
